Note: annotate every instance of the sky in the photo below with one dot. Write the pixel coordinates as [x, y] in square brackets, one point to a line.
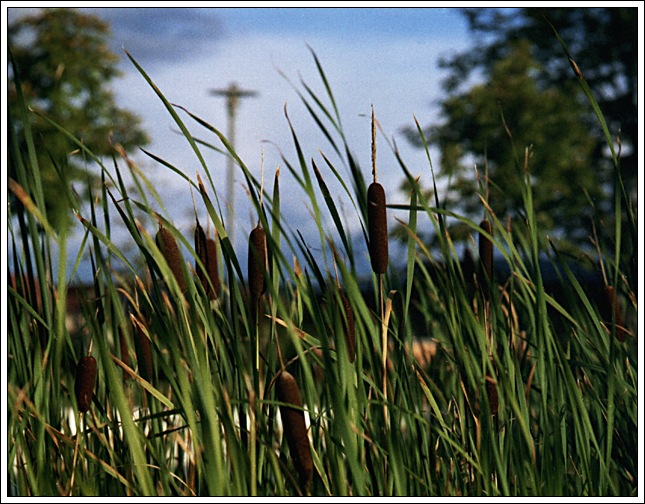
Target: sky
[381, 57]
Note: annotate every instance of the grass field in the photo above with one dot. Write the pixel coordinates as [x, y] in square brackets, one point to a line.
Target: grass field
[513, 391]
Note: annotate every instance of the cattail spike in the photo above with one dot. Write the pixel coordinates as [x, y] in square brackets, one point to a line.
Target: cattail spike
[212, 268]
[84, 384]
[206, 250]
[257, 262]
[143, 349]
[377, 227]
[493, 398]
[168, 247]
[293, 421]
[201, 250]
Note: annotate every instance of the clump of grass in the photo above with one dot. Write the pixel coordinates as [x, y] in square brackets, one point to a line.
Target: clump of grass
[563, 395]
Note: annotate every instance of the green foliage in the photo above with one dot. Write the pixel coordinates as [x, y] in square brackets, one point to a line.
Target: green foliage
[62, 60]
[493, 123]
[603, 42]
[519, 392]
[514, 90]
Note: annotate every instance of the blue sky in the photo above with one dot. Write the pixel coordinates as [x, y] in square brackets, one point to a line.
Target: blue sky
[201, 25]
[386, 57]
[348, 22]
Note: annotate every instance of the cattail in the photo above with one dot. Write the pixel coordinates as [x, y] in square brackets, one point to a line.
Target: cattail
[212, 268]
[349, 325]
[491, 390]
[377, 226]
[168, 247]
[486, 255]
[84, 385]
[611, 308]
[143, 349]
[206, 250]
[257, 262]
[293, 421]
[202, 253]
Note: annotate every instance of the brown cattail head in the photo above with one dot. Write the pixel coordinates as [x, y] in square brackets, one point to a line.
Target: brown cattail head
[491, 390]
[84, 385]
[486, 255]
[257, 262]
[168, 247]
[212, 268]
[202, 254]
[143, 349]
[377, 227]
[611, 309]
[206, 250]
[349, 325]
[293, 421]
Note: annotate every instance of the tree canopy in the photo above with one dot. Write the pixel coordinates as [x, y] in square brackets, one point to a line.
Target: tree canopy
[65, 68]
[514, 90]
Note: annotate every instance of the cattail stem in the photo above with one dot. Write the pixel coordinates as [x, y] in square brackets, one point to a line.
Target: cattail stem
[253, 443]
[486, 259]
[383, 349]
[373, 145]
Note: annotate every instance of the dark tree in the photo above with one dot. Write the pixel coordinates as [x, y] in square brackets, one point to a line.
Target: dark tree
[515, 90]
